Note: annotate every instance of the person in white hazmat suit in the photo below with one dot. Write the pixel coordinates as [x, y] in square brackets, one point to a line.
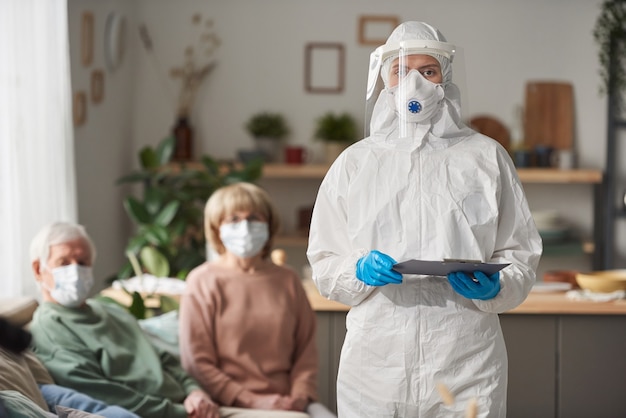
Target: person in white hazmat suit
[423, 186]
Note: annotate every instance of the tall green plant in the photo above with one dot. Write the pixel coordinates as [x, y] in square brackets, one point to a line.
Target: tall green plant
[169, 214]
[609, 33]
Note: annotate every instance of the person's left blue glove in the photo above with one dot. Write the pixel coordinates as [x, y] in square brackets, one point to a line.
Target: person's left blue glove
[376, 269]
[480, 286]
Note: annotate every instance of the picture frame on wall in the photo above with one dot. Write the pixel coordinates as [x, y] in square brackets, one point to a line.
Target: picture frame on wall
[97, 86]
[79, 108]
[324, 67]
[374, 30]
[86, 38]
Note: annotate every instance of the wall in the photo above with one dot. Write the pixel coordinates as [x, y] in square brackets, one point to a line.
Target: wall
[260, 66]
[103, 144]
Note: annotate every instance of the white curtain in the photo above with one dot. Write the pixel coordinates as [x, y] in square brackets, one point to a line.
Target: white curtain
[37, 178]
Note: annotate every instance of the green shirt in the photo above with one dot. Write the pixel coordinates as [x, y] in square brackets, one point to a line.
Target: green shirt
[100, 350]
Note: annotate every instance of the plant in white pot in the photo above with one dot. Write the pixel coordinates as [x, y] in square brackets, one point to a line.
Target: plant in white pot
[267, 129]
[337, 131]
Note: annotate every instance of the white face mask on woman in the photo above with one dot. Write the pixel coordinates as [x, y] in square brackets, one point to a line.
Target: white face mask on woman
[72, 284]
[244, 239]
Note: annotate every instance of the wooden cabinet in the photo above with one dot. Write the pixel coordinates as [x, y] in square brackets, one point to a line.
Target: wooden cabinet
[592, 366]
[331, 331]
[531, 348]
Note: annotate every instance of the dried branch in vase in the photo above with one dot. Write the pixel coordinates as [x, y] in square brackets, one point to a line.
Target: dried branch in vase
[199, 61]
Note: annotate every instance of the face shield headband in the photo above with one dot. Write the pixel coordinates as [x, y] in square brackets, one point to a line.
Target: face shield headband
[419, 46]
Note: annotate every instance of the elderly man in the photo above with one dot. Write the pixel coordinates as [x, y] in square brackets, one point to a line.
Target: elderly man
[99, 348]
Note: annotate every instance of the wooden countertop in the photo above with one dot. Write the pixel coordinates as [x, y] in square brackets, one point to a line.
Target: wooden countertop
[536, 303]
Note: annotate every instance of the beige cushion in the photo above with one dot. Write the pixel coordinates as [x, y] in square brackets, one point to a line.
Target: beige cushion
[15, 374]
[18, 311]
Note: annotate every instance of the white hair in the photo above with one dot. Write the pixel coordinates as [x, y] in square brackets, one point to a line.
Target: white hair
[58, 233]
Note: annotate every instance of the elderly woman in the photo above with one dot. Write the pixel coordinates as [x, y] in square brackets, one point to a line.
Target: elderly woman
[247, 331]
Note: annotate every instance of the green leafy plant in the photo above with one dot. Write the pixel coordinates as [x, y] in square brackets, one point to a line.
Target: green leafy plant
[336, 128]
[169, 214]
[267, 125]
[610, 34]
[169, 240]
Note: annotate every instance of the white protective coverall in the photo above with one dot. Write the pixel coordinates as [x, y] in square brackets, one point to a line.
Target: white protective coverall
[444, 191]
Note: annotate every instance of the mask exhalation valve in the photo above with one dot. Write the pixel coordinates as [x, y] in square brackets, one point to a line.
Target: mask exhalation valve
[414, 106]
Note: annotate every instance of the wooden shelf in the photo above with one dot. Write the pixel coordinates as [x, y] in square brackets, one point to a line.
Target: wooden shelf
[553, 175]
[527, 175]
[292, 240]
[292, 171]
[568, 248]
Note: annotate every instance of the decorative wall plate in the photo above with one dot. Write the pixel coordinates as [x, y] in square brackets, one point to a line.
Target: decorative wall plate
[114, 40]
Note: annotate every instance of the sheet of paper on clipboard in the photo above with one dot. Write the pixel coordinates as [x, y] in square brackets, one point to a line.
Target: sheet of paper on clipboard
[442, 268]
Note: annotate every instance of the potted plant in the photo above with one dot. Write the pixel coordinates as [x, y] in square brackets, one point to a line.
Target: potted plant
[337, 131]
[267, 129]
[169, 239]
[609, 33]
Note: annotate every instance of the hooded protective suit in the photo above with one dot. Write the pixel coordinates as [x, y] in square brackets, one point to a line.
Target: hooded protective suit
[439, 190]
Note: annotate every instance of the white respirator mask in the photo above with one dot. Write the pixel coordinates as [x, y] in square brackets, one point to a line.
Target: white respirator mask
[415, 98]
[72, 284]
[244, 239]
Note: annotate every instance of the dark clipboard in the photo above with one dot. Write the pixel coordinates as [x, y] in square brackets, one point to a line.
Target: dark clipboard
[442, 268]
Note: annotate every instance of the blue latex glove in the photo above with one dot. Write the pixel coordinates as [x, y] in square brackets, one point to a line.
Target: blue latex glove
[480, 286]
[375, 269]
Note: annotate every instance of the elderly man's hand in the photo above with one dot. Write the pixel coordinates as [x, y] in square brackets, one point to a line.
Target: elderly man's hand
[200, 405]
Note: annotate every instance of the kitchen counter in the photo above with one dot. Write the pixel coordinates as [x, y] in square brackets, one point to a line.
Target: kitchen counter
[555, 347]
[555, 303]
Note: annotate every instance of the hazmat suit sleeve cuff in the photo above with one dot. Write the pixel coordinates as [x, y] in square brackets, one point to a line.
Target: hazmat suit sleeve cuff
[514, 288]
[340, 283]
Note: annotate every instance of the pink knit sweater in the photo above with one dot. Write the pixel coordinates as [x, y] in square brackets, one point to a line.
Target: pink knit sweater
[248, 332]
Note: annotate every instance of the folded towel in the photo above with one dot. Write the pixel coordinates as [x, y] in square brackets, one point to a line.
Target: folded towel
[588, 295]
[152, 284]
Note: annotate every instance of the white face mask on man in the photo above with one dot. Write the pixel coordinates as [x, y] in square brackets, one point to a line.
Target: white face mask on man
[415, 98]
[244, 239]
[72, 284]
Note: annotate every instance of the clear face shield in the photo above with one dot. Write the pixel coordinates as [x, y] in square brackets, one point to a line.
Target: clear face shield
[412, 74]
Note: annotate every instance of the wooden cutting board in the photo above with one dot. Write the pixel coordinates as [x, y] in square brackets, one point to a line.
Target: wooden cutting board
[493, 128]
[549, 114]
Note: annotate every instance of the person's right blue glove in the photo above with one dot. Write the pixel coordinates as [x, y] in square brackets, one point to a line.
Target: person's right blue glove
[480, 286]
[376, 269]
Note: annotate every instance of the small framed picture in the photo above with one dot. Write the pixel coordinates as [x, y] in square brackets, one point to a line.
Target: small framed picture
[324, 67]
[97, 86]
[374, 30]
[86, 39]
[79, 108]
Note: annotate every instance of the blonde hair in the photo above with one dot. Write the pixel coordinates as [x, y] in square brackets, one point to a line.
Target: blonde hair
[239, 197]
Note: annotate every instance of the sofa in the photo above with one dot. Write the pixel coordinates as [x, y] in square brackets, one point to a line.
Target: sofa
[21, 373]
[18, 311]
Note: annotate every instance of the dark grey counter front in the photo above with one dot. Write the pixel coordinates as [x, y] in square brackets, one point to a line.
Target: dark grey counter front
[565, 360]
